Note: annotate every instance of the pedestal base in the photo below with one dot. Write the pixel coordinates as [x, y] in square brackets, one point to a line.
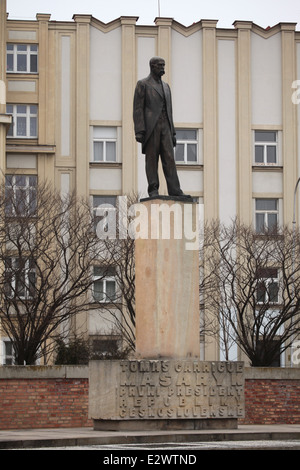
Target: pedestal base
[165, 394]
[165, 424]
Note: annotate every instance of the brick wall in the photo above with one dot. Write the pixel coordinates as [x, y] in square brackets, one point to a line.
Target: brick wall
[272, 396]
[40, 401]
[50, 397]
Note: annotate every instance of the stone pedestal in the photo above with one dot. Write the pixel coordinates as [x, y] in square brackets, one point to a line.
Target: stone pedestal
[167, 280]
[166, 394]
[166, 386]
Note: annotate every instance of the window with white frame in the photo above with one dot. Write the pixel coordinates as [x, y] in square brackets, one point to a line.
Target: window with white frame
[267, 286]
[266, 147]
[20, 277]
[104, 144]
[102, 205]
[8, 354]
[22, 58]
[25, 121]
[104, 284]
[266, 214]
[20, 195]
[186, 150]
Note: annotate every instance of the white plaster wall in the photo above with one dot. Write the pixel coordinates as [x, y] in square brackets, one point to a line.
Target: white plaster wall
[186, 76]
[266, 80]
[191, 180]
[106, 179]
[227, 130]
[106, 75]
[267, 182]
[21, 161]
[145, 50]
[101, 322]
[65, 95]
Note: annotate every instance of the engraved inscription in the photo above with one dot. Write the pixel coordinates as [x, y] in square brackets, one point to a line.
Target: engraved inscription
[180, 389]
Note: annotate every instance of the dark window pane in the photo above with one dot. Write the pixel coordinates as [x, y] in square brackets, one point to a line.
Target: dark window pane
[21, 63]
[33, 63]
[98, 291]
[21, 109]
[191, 152]
[259, 154]
[260, 222]
[179, 153]
[271, 154]
[272, 221]
[108, 200]
[261, 292]
[21, 126]
[98, 151]
[266, 204]
[110, 290]
[9, 62]
[110, 151]
[186, 134]
[273, 292]
[33, 127]
[265, 136]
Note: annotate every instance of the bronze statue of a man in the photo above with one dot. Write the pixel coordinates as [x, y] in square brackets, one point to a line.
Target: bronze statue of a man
[154, 128]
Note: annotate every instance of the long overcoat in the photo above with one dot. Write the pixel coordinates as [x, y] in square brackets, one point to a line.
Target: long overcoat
[147, 107]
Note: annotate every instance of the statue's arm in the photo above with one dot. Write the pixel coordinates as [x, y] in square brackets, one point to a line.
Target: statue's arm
[138, 111]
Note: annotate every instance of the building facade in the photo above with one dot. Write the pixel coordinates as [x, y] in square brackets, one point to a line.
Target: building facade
[66, 95]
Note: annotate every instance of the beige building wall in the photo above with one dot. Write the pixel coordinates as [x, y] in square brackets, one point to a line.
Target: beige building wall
[226, 84]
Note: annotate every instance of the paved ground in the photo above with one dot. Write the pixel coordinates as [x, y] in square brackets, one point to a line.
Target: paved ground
[181, 448]
[245, 437]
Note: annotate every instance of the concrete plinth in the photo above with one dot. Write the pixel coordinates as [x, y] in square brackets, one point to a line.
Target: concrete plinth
[167, 280]
[165, 394]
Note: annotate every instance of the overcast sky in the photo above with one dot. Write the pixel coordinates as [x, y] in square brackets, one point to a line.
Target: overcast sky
[262, 12]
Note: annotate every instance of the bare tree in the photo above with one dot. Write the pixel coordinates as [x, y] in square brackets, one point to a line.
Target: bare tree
[251, 287]
[117, 261]
[47, 247]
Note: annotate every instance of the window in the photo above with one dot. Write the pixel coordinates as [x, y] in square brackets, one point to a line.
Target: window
[22, 58]
[8, 353]
[20, 195]
[105, 144]
[20, 277]
[105, 212]
[266, 151]
[186, 150]
[267, 286]
[104, 284]
[24, 123]
[105, 346]
[270, 348]
[266, 214]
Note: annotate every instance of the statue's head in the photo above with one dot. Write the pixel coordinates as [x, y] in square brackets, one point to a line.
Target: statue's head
[157, 66]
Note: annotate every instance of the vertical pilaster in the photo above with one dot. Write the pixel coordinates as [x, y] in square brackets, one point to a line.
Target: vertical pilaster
[289, 121]
[43, 76]
[4, 119]
[46, 118]
[3, 17]
[164, 44]
[210, 147]
[244, 144]
[129, 147]
[82, 103]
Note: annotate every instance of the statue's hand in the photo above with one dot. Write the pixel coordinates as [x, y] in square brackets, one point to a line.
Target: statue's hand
[140, 137]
